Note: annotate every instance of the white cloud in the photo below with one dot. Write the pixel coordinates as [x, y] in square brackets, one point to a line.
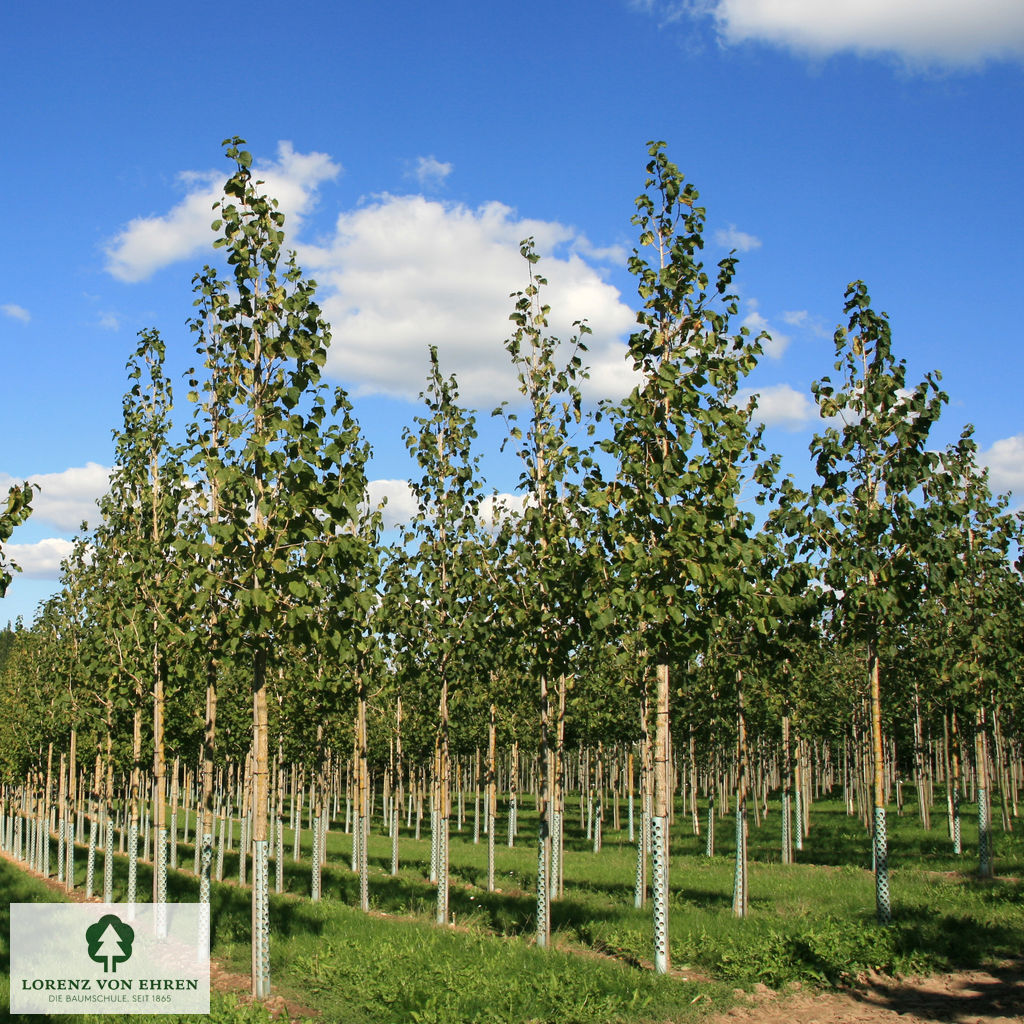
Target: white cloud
[606, 254]
[777, 343]
[401, 503]
[68, 498]
[431, 172]
[149, 243]
[802, 318]
[732, 238]
[496, 507]
[41, 560]
[780, 405]
[110, 321]
[16, 312]
[1005, 461]
[404, 272]
[919, 31]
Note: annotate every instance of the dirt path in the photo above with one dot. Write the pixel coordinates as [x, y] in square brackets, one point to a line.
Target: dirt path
[994, 996]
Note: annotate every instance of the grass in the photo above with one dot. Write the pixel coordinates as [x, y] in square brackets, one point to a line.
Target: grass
[18, 887]
[811, 922]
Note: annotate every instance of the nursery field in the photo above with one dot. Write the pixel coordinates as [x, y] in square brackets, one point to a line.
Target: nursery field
[658, 613]
[811, 922]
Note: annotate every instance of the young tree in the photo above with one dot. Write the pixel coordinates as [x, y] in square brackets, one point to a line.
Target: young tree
[440, 585]
[673, 526]
[864, 517]
[288, 470]
[542, 546]
[135, 549]
[974, 592]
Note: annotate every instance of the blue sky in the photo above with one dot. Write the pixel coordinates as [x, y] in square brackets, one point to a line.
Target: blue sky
[413, 145]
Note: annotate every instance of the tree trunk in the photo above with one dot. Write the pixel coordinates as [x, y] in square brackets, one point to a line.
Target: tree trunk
[660, 822]
[881, 847]
[787, 788]
[544, 821]
[984, 806]
[492, 798]
[363, 802]
[134, 798]
[159, 778]
[643, 836]
[399, 789]
[260, 852]
[739, 892]
[209, 752]
[443, 807]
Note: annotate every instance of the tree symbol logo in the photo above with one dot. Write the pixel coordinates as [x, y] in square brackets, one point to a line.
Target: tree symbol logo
[110, 942]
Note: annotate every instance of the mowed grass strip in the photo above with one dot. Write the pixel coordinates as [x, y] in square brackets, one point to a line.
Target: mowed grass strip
[809, 922]
[350, 967]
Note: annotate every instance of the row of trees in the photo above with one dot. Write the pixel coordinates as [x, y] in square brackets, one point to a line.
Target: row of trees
[239, 587]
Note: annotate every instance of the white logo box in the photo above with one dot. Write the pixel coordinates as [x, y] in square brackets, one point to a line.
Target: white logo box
[110, 958]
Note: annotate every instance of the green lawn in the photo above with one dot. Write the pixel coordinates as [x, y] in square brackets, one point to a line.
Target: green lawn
[812, 921]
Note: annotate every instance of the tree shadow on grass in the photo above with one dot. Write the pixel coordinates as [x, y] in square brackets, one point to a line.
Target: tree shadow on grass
[954, 940]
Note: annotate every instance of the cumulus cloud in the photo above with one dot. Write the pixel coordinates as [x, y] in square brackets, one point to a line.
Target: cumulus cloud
[400, 273]
[777, 342]
[609, 255]
[401, 503]
[148, 244]
[733, 238]
[918, 31]
[16, 312]
[781, 405]
[41, 560]
[404, 272]
[65, 499]
[431, 172]
[1005, 462]
[945, 33]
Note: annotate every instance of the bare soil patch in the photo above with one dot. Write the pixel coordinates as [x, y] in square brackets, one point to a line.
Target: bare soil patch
[993, 996]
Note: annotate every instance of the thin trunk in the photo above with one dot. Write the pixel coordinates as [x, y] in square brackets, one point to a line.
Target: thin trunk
[881, 846]
[363, 801]
[920, 775]
[209, 752]
[399, 789]
[643, 838]
[544, 822]
[787, 815]
[1001, 770]
[260, 853]
[660, 822]
[159, 778]
[984, 805]
[443, 807]
[492, 797]
[740, 893]
[69, 812]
